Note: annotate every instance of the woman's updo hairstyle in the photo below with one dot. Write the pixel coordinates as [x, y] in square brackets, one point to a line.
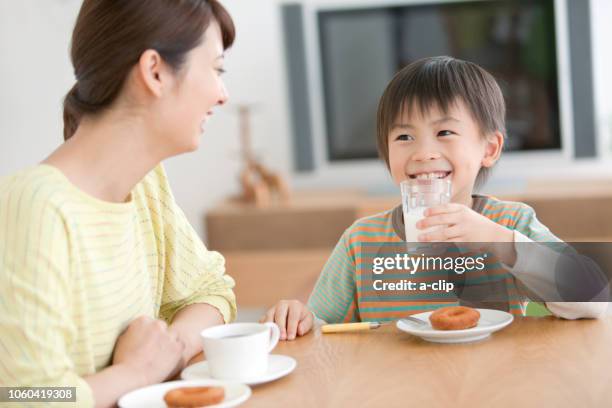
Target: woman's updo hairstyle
[110, 36]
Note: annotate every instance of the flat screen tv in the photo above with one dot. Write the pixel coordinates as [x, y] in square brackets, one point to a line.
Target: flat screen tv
[362, 48]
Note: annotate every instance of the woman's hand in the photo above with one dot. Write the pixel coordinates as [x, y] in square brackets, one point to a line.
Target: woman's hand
[189, 322]
[149, 349]
[292, 317]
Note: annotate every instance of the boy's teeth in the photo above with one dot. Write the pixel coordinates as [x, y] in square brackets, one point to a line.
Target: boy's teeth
[429, 176]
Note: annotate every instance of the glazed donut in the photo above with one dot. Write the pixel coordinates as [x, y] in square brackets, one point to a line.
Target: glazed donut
[194, 397]
[454, 318]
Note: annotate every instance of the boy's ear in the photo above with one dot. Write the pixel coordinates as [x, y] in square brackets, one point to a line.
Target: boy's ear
[493, 149]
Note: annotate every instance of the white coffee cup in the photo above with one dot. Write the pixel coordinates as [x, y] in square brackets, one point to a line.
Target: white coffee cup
[239, 351]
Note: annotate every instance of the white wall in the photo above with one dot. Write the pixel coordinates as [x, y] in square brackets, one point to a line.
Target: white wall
[35, 73]
[601, 14]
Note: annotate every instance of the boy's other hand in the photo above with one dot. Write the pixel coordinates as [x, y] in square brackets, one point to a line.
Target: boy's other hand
[292, 317]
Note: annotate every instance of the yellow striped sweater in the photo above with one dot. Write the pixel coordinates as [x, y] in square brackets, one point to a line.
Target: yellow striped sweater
[74, 271]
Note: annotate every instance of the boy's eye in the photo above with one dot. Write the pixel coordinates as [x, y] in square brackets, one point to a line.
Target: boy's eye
[445, 133]
[404, 138]
[221, 71]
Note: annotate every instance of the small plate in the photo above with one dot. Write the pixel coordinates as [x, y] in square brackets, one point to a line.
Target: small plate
[278, 366]
[153, 395]
[490, 321]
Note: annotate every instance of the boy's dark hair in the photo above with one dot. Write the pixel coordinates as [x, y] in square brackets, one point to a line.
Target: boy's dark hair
[440, 82]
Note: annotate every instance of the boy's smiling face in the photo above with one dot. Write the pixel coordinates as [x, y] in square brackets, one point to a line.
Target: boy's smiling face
[434, 144]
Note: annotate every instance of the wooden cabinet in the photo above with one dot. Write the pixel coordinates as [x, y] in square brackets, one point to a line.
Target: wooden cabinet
[277, 252]
[310, 221]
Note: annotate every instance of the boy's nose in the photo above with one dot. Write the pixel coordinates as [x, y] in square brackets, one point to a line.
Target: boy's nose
[425, 155]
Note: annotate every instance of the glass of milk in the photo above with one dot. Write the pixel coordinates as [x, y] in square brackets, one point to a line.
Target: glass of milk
[417, 196]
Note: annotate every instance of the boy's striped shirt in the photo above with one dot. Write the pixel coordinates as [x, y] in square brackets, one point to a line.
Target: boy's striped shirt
[343, 293]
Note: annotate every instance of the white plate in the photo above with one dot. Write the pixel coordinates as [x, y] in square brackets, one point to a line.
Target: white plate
[490, 321]
[153, 396]
[278, 366]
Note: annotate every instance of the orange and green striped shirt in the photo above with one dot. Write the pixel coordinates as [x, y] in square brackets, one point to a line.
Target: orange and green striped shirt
[343, 292]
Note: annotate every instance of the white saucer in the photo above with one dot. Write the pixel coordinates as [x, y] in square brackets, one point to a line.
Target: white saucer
[278, 366]
[490, 321]
[153, 395]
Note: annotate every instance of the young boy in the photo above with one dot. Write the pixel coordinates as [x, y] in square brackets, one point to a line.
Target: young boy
[438, 118]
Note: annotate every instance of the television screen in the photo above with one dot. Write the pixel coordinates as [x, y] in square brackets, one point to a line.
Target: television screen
[361, 49]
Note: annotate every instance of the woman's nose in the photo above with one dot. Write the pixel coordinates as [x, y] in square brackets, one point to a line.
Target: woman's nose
[223, 95]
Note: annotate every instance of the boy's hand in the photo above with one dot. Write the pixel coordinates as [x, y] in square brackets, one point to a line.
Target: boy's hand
[292, 317]
[459, 223]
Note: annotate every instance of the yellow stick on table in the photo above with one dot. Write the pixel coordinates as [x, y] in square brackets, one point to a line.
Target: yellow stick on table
[349, 327]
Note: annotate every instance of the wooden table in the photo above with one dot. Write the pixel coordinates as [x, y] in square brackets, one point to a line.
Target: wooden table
[534, 362]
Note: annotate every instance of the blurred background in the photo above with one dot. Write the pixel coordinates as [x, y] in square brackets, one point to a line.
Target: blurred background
[304, 79]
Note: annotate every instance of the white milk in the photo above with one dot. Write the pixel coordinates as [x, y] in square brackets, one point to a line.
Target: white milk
[410, 220]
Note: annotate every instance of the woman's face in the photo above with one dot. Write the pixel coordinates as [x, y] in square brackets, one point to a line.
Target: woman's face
[197, 89]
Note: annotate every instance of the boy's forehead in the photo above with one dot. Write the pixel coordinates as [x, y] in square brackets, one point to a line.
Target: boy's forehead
[412, 111]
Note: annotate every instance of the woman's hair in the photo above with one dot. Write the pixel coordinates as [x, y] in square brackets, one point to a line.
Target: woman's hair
[440, 82]
[110, 36]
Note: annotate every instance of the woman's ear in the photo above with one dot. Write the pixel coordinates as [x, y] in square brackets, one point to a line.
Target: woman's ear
[151, 72]
[493, 149]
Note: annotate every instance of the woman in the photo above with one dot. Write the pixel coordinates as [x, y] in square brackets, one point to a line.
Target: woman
[104, 285]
